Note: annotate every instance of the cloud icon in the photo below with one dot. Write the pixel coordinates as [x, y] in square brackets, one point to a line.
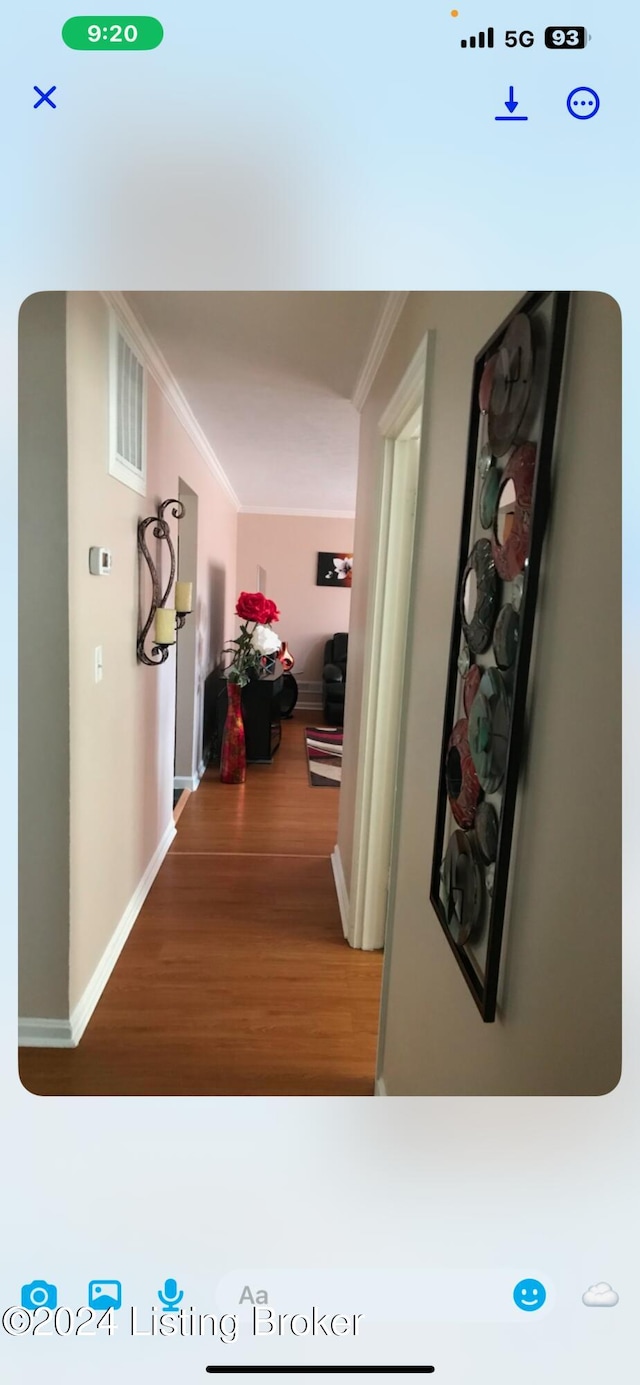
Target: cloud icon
[600, 1296]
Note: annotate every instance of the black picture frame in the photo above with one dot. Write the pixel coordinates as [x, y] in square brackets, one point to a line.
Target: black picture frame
[334, 570]
[480, 890]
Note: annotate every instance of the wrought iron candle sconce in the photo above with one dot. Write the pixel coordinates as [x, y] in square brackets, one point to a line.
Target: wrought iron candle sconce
[159, 650]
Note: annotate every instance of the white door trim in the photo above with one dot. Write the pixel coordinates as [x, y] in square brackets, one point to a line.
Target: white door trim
[386, 641]
[188, 744]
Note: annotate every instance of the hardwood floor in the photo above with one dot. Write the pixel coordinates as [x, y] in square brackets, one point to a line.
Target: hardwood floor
[236, 980]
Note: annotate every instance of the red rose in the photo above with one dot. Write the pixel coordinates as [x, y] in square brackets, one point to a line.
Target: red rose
[272, 611]
[252, 606]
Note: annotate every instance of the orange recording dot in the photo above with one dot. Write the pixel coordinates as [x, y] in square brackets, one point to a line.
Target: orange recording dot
[454, 14]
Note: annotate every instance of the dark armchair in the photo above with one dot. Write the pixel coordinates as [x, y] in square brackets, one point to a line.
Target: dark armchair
[334, 678]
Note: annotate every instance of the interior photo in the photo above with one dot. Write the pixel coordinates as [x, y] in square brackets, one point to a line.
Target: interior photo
[319, 694]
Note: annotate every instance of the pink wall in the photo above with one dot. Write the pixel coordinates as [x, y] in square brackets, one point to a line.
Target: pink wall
[122, 729]
[287, 547]
[172, 457]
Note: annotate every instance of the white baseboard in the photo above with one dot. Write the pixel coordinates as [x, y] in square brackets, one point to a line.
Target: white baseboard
[380, 1089]
[187, 781]
[36, 1033]
[341, 887]
[45, 1033]
[309, 696]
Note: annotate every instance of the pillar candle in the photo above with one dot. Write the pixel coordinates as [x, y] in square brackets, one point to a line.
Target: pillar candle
[184, 597]
[165, 627]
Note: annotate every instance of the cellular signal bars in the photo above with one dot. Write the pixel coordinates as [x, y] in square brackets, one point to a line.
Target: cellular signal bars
[482, 41]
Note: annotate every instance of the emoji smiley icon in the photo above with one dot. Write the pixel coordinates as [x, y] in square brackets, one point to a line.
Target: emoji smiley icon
[529, 1295]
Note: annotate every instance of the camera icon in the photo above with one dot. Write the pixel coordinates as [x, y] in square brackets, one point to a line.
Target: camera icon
[38, 1294]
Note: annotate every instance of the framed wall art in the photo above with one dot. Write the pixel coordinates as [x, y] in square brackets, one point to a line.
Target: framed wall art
[334, 569]
[514, 404]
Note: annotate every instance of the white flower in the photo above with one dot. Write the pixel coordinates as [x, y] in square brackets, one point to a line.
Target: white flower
[342, 567]
[266, 640]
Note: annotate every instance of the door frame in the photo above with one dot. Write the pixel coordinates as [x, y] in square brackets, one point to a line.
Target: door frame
[400, 427]
[186, 749]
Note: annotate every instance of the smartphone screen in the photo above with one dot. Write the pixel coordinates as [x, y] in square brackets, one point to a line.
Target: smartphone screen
[314, 1057]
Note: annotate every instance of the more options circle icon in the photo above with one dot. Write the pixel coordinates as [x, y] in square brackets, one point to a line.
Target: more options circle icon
[583, 103]
[529, 1295]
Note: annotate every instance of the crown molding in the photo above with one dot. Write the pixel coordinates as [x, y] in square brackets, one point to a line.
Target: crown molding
[384, 329]
[301, 514]
[155, 362]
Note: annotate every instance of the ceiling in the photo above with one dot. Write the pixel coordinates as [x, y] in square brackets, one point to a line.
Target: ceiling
[269, 377]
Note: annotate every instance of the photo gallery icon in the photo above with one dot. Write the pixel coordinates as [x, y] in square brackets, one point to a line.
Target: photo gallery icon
[105, 1293]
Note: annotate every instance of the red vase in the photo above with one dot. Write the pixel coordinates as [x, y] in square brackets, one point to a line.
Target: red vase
[286, 657]
[233, 759]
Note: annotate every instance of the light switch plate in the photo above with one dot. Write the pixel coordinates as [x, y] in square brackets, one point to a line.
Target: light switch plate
[98, 663]
[100, 561]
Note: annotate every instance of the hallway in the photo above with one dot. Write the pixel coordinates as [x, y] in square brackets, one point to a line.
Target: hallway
[236, 979]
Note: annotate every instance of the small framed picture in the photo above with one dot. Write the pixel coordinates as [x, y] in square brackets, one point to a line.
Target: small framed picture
[334, 569]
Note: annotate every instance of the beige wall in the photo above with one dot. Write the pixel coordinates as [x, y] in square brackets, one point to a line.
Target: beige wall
[287, 547]
[118, 734]
[122, 729]
[558, 1030]
[43, 661]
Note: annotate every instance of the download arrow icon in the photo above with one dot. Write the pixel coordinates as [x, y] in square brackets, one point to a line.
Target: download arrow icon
[511, 106]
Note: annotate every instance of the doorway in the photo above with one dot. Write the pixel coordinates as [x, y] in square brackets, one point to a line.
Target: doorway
[186, 756]
[400, 430]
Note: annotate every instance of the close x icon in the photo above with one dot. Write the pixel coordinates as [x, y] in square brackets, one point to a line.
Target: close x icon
[44, 97]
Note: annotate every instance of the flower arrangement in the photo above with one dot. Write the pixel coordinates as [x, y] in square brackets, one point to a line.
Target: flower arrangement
[253, 647]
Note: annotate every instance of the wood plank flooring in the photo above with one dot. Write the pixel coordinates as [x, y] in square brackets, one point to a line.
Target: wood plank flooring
[236, 980]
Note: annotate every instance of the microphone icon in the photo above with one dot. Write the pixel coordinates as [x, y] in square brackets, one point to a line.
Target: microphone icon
[171, 1295]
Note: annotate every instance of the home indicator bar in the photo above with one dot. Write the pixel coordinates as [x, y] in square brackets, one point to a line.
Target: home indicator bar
[320, 1370]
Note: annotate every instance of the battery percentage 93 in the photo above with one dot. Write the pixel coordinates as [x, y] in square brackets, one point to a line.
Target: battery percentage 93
[564, 37]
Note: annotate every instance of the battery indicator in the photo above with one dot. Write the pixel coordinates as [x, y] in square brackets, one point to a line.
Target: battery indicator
[566, 38]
